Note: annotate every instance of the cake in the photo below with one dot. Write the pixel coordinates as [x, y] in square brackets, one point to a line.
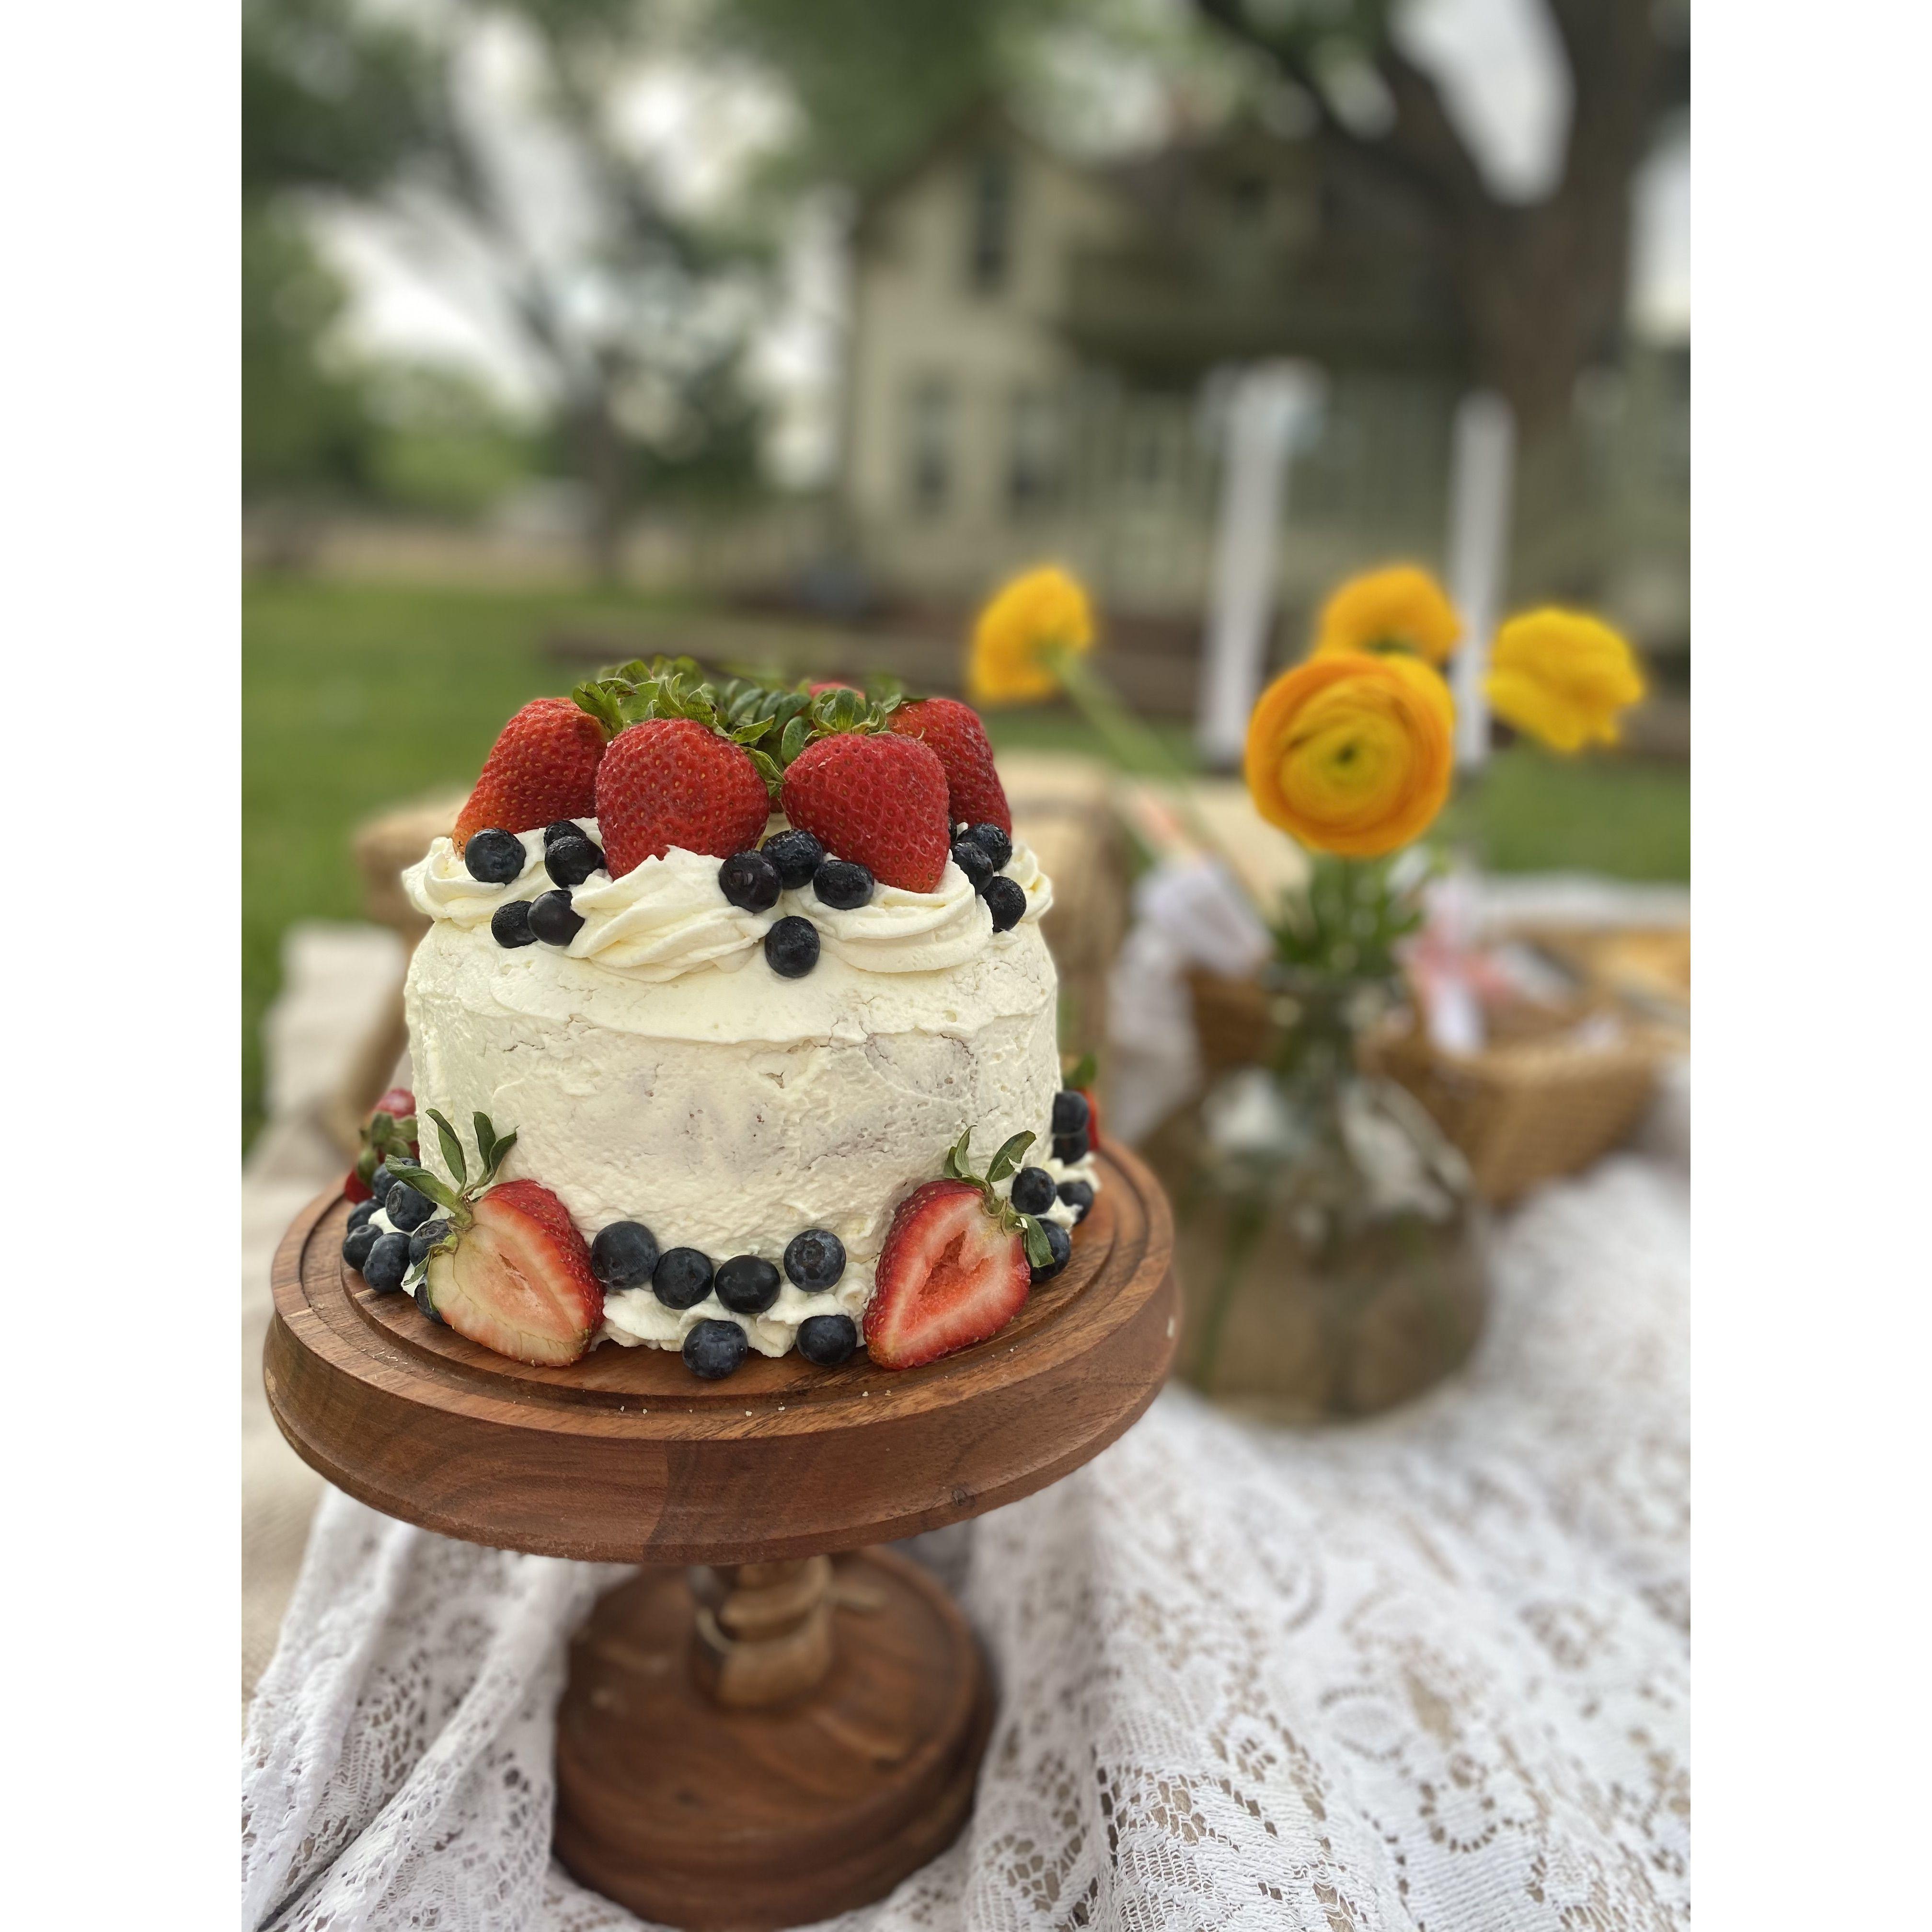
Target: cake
[741, 990]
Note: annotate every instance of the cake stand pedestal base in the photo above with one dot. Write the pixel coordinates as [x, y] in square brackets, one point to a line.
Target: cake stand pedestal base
[763, 1746]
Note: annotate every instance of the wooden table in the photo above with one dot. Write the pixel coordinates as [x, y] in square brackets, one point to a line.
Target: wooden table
[790, 1728]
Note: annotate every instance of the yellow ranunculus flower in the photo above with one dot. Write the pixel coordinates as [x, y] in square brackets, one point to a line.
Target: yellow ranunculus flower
[1351, 752]
[1045, 609]
[1563, 677]
[1401, 608]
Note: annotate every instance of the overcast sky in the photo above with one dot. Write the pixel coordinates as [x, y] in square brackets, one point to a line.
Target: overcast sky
[1500, 67]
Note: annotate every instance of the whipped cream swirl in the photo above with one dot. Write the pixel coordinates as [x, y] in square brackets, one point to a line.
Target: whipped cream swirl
[668, 917]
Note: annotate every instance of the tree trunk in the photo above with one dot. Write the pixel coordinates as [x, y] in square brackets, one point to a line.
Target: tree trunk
[600, 455]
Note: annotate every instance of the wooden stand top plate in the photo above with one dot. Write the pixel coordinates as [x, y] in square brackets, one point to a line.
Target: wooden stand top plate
[626, 1456]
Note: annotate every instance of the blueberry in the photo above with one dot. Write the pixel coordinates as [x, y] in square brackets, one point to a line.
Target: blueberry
[425, 1238]
[387, 1262]
[380, 1182]
[681, 1278]
[571, 861]
[815, 1259]
[1033, 1190]
[361, 1212]
[624, 1255]
[827, 1339]
[749, 880]
[791, 946]
[406, 1208]
[1071, 1112]
[971, 858]
[746, 1284]
[552, 920]
[1068, 1148]
[797, 854]
[562, 828]
[356, 1244]
[510, 925]
[992, 841]
[843, 884]
[713, 1349]
[1005, 900]
[1078, 1195]
[427, 1307]
[1061, 1242]
[495, 857]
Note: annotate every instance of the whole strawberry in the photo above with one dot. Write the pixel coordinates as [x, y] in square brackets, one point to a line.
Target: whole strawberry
[974, 794]
[542, 767]
[673, 782]
[877, 798]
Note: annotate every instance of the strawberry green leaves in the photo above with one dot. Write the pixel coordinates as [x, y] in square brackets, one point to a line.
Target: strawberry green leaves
[455, 1200]
[958, 1166]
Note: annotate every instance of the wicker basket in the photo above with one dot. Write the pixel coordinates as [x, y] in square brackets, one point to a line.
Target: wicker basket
[1535, 1103]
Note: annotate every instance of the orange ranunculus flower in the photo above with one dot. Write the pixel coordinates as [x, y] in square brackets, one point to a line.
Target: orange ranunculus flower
[1563, 677]
[1400, 608]
[1026, 620]
[1352, 753]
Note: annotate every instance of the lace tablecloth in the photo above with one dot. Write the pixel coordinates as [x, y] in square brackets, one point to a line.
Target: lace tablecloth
[1428, 1673]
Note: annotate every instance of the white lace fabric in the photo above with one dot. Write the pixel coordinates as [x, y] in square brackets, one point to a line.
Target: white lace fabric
[1429, 1673]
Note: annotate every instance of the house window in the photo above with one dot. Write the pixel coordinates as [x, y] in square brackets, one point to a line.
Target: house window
[928, 448]
[991, 228]
[1035, 455]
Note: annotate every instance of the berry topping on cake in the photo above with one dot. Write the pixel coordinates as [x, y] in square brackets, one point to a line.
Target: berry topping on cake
[791, 947]
[421, 1297]
[493, 856]
[517, 1279]
[970, 855]
[957, 1263]
[1060, 1244]
[842, 884]
[974, 793]
[510, 925]
[427, 1238]
[553, 919]
[359, 1216]
[797, 854]
[1033, 1190]
[814, 1260]
[569, 862]
[669, 781]
[407, 1209]
[681, 1278]
[827, 1339]
[562, 828]
[387, 1261]
[390, 1128]
[877, 798]
[1070, 1112]
[746, 1284]
[1005, 900]
[1078, 1081]
[509, 1271]
[357, 1242]
[750, 880]
[624, 1255]
[714, 1349]
[543, 766]
[998, 845]
[1078, 1194]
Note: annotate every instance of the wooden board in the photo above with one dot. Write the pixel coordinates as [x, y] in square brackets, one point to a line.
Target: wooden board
[627, 1457]
[712, 1819]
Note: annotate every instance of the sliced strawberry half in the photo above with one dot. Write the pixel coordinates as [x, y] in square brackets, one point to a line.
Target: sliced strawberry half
[517, 1279]
[949, 1275]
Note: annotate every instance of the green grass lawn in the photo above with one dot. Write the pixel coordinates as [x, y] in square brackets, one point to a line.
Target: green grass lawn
[358, 696]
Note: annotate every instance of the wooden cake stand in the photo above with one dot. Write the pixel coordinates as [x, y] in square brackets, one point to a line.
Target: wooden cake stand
[782, 1731]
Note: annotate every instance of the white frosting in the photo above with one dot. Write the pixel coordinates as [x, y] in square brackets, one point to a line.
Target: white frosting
[667, 917]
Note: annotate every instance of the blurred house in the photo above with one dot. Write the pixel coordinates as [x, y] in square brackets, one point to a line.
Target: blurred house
[1041, 358]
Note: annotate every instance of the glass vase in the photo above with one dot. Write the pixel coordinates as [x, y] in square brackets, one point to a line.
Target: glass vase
[1331, 1248]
